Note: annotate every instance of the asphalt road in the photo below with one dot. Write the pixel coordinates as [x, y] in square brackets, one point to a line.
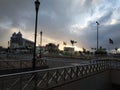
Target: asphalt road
[61, 62]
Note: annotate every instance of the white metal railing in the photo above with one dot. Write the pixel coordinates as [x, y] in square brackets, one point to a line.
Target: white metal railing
[44, 79]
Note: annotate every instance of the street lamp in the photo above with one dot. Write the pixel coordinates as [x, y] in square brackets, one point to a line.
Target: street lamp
[37, 3]
[8, 50]
[97, 35]
[40, 44]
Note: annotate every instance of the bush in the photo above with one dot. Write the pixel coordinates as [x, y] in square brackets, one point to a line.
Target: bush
[100, 52]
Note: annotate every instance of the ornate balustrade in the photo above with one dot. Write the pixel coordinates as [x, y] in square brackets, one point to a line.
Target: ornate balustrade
[45, 79]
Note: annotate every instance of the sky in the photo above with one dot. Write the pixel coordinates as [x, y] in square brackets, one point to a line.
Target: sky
[62, 21]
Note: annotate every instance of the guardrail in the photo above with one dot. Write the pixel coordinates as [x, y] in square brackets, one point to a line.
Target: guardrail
[45, 79]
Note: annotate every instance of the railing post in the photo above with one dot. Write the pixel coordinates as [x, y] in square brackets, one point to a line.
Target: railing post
[2, 84]
[0, 64]
[47, 84]
[110, 65]
[21, 65]
[77, 71]
[35, 81]
[57, 75]
[81, 72]
[20, 82]
[64, 74]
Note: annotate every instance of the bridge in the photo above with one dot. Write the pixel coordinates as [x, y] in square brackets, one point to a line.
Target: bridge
[97, 75]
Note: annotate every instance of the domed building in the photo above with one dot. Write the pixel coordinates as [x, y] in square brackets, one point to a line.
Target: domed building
[16, 41]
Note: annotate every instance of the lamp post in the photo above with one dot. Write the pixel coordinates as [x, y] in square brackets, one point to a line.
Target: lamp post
[8, 50]
[37, 3]
[97, 35]
[40, 44]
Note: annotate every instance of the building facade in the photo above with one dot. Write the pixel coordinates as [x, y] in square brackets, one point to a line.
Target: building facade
[69, 50]
[52, 48]
[16, 41]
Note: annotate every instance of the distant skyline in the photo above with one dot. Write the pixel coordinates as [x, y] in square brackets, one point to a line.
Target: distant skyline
[62, 21]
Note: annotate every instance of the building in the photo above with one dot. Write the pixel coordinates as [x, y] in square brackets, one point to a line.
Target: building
[2, 50]
[52, 48]
[69, 50]
[16, 41]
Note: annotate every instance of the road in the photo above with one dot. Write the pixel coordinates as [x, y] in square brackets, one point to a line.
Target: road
[61, 62]
[52, 62]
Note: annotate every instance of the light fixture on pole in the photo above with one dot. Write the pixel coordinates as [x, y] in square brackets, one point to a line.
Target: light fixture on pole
[37, 3]
[97, 35]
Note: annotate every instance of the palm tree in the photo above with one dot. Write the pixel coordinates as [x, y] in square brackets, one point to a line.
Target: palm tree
[73, 42]
[58, 45]
[64, 43]
[84, 50]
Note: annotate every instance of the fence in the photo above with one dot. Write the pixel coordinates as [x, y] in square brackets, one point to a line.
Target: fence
[45, 79]
[20, 64]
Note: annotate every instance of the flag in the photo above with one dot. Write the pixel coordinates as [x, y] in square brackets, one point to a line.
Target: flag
[111, 41]
[64, 43]
[57, 45]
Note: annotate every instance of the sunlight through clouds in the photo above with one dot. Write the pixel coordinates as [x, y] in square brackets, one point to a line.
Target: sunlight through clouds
[113, 21]
[64, 20]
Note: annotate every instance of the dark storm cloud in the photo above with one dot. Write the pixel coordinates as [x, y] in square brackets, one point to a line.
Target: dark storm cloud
[56, 18]
[55, 14]
[16, 11]
[106, 17]
[60, 15]
[105, 32]
[14, 14]
[102, 20]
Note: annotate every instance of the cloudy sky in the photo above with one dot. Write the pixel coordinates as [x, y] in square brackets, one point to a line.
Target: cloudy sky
[62, 20]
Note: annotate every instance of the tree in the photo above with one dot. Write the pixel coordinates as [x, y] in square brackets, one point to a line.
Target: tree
[84, 50]
[52, 48]
[73, 42]
[80, 52]
[64, 43]
[101, 51]
[116, 49]
[58, 45]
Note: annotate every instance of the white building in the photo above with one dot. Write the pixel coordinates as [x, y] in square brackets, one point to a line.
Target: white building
[16, 41]
[69, 50]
